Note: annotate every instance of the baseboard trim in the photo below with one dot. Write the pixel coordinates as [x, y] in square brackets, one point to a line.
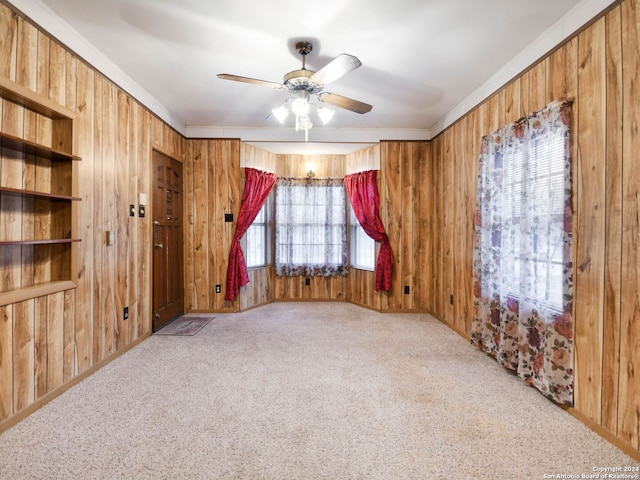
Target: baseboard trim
[42, 401]
[603, 432]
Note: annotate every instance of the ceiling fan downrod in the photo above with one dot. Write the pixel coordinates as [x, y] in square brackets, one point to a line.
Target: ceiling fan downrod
[303, 49]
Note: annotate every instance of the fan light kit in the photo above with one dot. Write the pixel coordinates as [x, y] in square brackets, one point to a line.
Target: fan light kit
[303, 83]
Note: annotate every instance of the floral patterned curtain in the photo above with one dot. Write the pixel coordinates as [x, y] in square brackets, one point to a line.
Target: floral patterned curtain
[362, 189]
[522, 255]
[257, 187]
[311, 232]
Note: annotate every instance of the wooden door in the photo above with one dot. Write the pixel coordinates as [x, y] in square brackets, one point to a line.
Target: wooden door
[168, 289]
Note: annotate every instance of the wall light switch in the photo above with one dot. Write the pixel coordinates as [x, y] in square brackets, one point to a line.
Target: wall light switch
[142, 198]
[111, 237]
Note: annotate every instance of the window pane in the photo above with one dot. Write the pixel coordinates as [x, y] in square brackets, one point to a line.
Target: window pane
[363, 247]
[534, 182]
[256, 251]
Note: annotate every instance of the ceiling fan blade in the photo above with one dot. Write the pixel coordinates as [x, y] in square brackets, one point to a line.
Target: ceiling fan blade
[253, 81]
[336, 68]
[345, 102]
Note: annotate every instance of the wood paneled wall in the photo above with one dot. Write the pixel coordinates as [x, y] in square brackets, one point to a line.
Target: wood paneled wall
[405, 186]
[214, 183]
[47, 343]
[213, 188]
[606, 227]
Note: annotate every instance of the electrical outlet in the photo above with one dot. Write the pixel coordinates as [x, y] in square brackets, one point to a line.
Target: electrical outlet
[228, 217]
[218, 288]
[132, 210]
[406, 289]
[141, 209]
[126, 313]
[451, 299]
[307, 281]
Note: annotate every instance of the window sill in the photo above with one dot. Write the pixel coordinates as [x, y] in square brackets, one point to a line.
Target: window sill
[364, 269]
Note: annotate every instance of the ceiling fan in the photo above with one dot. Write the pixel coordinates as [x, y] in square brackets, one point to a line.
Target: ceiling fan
[303, 83]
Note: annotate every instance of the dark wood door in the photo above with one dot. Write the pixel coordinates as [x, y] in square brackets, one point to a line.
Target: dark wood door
[168, 289]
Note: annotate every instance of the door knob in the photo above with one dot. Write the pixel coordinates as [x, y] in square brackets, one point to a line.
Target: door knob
[156, 222]
[158, 245]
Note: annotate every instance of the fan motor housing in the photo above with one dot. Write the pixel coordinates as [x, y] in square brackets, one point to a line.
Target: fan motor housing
[300, 80]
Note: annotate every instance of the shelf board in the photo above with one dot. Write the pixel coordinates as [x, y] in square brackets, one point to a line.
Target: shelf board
[52, 241]
[34, 193]
[21, 95]
[32, 148]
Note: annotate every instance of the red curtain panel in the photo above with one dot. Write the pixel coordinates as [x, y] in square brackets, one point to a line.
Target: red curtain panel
[362, 189]
[257, 187]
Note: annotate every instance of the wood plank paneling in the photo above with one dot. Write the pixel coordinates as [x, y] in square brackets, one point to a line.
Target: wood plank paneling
[447, 224]
[122, 199]
[144, 255]
[391, 205]
[99, 226]
[55, 341]
[6, 362]
[8, 47]
[235, 183]
[629, 388]
[613, 229]
[218, 255]
[410, 209]
[85, 170]
[108, 261]
[589, 245]
[467, 227]
[69, 369]
[423, 228]
[198, 162]
[23, 355]
[136, 242]
[40, 346]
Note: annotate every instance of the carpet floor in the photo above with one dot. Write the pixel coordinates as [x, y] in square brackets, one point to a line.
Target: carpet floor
[304, 391]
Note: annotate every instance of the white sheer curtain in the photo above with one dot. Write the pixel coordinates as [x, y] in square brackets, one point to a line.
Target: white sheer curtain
[310, 227]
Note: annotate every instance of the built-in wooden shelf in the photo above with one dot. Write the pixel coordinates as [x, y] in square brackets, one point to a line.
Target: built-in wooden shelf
[38, 196]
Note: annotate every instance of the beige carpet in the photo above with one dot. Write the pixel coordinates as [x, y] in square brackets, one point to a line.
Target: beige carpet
[304, 391]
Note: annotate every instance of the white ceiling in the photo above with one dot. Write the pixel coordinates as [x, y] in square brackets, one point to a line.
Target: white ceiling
[425, 62]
